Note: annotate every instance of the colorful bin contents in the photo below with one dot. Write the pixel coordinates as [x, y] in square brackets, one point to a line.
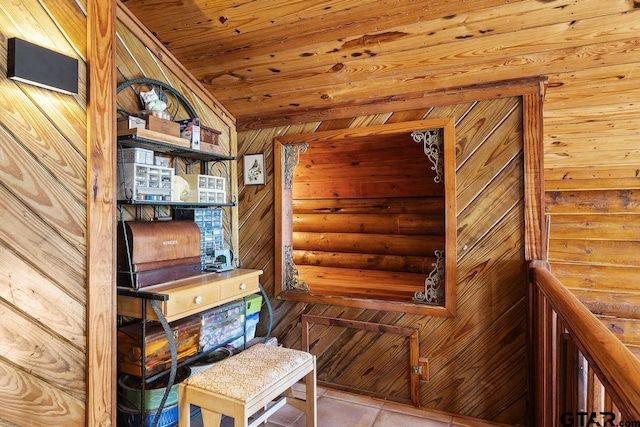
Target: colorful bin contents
[220, 325]
[130, 394]
[254, 303]
[128, 417]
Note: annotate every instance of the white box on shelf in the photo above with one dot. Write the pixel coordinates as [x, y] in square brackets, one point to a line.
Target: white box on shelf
[162, 161]
[190, 129]
[219, 183]
[205, 182]
[135, 155]
[219, 197]
[203, 195]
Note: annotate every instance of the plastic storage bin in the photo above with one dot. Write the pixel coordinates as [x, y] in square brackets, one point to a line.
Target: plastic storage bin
[145, 182]
[252, 313]
[209, 220]
[254, 304]
[220, 325]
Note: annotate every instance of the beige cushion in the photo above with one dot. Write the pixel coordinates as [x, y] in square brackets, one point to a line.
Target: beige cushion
[246, 374]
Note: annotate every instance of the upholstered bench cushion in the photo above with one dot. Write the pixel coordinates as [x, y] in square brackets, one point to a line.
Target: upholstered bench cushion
[248, 373]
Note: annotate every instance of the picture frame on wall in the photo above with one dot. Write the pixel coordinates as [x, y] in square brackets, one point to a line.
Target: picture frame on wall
[254, 169]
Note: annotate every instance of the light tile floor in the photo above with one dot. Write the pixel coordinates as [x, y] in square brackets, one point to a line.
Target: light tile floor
[341, 409]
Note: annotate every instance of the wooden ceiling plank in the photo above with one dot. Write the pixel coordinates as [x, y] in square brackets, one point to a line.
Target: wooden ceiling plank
[531, 43]
[380, 90]
[482, 26]
[241, 27]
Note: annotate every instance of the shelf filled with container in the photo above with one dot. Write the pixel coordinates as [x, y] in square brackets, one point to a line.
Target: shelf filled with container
[172, 172]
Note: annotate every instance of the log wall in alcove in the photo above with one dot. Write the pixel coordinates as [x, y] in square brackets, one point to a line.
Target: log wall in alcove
[361, 243]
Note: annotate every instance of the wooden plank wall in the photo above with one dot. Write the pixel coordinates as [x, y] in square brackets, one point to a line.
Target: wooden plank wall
[592, 164]
[43, 247]
[477, 360]
[42, 237]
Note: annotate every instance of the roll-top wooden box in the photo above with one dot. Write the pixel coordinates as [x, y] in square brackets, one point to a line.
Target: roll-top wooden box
[152, 252]
[186, 333]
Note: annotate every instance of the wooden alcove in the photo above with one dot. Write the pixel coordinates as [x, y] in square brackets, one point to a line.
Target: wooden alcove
[366, 217]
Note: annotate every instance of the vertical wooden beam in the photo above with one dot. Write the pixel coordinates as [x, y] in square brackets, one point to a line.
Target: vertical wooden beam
[101, 336]
[535, 226]
[233, 187]
[305, 334]
[451, 218]
[283, 212]
[536, 249]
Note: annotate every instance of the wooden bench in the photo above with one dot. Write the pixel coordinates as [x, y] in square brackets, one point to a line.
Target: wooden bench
[248, 384]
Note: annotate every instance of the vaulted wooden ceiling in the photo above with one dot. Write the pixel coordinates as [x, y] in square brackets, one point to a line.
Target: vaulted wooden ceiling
[279, 60]
[264, 59]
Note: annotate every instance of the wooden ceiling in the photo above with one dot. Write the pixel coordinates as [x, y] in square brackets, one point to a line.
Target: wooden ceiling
[270, 61]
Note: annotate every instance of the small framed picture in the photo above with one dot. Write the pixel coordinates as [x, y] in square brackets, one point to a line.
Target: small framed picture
[254, 171]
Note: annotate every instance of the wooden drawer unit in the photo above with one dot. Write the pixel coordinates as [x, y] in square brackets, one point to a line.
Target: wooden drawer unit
[184, 297]
[239, 289]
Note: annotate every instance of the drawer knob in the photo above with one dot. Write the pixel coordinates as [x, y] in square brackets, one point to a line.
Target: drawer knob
[198, 299]
[243, 286]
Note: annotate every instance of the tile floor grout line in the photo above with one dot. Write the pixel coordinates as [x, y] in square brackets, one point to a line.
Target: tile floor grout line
[376, 417]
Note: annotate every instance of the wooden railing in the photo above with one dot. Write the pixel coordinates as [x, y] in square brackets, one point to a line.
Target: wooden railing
[581, 373]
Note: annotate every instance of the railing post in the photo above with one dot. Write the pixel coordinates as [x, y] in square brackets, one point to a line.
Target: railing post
[569, 375]
[538, 363]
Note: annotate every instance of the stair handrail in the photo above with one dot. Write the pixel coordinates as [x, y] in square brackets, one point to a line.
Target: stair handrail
[616, 366]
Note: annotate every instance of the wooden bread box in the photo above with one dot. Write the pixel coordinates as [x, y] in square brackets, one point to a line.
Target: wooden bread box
[186, 333]
[152, 252]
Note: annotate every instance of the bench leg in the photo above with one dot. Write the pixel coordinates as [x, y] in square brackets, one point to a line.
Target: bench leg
[311, 412]
[184, 415]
